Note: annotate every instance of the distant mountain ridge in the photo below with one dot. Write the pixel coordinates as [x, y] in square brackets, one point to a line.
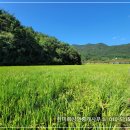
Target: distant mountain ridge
[103, 52]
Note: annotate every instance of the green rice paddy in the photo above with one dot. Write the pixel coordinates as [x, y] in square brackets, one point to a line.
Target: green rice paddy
[93, 96]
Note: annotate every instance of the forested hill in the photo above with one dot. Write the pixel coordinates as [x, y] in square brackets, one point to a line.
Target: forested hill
[20, 45]
[103, 52]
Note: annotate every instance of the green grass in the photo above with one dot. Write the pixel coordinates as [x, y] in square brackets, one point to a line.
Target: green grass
[36, 96]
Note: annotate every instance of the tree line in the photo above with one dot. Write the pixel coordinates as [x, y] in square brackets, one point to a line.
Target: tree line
[103, 53]
[20, 45]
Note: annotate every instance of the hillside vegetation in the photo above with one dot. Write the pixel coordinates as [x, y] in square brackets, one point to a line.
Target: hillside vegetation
[102, 52]
[20, 45]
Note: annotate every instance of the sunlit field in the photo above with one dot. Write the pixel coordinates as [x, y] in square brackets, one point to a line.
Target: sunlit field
[86, 96]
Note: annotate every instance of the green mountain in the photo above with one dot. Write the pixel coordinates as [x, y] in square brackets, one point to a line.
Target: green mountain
[20, 45]
[103, 52]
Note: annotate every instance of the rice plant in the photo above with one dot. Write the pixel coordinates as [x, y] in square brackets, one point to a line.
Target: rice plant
[78, 97]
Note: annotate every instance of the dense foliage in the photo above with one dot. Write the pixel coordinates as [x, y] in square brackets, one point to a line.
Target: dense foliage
[20, 45]
[103, 52]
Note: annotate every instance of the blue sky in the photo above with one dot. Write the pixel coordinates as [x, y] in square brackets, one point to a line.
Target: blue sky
[76, 23]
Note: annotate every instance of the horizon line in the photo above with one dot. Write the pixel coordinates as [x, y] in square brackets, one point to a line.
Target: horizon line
[108, 44]
[64, 2]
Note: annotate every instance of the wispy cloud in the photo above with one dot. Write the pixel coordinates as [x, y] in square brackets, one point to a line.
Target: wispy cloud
[114, 38]
[119, 38]
[123, 39]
